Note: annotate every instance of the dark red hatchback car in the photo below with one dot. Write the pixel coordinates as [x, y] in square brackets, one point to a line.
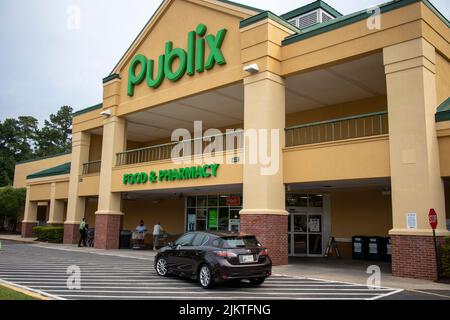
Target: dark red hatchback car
[214, 257]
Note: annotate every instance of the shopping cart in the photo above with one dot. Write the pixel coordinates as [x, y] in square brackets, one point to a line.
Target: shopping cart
[90, 238]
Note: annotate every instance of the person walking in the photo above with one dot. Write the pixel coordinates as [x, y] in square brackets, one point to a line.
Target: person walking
[83, 233]
[157, 231]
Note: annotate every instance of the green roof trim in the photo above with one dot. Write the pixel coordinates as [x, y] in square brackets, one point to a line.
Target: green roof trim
[268, 15]
[111, 77]
[43, 158]
[241, 5]
[96, 107]
[443, 111]
[55, 171]
[356, 17]
[311, 7]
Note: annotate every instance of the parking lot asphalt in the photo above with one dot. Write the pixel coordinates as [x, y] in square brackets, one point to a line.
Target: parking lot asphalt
[104, 277]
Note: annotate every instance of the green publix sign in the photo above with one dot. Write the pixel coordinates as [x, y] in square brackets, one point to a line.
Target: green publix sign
[191, 173]
[191, 61]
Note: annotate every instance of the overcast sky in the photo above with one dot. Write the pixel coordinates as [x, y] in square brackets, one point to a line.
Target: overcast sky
[47, 62]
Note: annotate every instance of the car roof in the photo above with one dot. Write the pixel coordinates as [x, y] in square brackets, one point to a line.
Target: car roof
[221, 234]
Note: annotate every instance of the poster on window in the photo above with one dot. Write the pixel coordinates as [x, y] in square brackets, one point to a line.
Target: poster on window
[314, 225]
[192, 221]
[213, 219]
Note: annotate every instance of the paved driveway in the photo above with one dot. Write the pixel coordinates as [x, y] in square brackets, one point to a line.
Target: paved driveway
[44, 270]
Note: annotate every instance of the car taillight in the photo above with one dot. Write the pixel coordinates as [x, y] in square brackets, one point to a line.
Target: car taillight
[225, 254]
[264, 252]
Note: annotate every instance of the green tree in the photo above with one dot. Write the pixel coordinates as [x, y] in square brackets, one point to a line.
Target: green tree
[55, 136]
[12, 202]
[16, 144]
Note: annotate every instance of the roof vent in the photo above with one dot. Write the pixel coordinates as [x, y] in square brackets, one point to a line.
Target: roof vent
[311, 14]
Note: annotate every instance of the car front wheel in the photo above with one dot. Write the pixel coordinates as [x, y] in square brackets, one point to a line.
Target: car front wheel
[205, 277]
[257, 281]
[161, 267]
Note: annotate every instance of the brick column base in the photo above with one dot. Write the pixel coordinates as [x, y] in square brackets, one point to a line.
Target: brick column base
[107, 231]
[71, 233]
[414, 257]
[27, 229]
[272, 232]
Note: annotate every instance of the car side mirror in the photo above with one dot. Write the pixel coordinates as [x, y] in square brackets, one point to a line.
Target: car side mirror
[171, 244]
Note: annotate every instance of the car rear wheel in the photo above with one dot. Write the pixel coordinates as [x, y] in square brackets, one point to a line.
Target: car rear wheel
[205, 277]
[257, 281]
[161, 267]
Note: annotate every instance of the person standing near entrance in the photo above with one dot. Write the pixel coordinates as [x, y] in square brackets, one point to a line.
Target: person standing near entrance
[83, 233]
[157, 230]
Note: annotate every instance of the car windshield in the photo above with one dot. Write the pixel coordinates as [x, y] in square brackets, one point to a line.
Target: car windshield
[239, 242]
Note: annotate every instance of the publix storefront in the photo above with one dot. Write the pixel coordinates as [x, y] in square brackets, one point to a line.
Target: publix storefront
[298, 128]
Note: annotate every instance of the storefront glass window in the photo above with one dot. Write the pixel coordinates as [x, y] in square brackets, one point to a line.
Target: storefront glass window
[214, 213]
[202, 202]
[316, 201]
[300, 244]
[297, 200]
[201, 214]
[192, 202]
[212, 201]
[315, 244]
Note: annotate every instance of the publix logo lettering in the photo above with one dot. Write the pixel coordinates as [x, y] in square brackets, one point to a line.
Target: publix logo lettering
[191, 61]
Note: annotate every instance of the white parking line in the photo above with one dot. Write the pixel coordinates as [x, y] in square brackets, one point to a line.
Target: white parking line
[235, 293]
[200, 298]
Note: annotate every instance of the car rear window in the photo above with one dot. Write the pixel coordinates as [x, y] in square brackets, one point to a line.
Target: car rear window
[238, 242]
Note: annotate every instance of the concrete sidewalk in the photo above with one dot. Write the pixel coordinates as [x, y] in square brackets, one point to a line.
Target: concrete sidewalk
[339, 270]
[135, 254]
[17, 238]
[344, 270]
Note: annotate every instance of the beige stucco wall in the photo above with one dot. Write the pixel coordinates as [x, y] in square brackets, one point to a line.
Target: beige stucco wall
[95, 148]
[170, 212]
[91, 207]
[359, 212]
[40, 192]
[447, 197]
[89, 185]
[442, 78]
[355, 39]
[347, 109]
[361, 158]
[62, 190]
[171, 25]
[87, 121]
[444, 152]
[227, 174]
[25, 169]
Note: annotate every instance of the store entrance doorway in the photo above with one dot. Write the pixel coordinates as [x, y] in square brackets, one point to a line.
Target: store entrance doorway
[306, 225]
[305, 234]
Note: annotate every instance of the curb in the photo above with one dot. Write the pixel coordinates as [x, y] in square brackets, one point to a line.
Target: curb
[18, 240]
[22, 290]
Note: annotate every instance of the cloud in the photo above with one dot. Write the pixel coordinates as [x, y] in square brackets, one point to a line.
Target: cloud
[46, 64]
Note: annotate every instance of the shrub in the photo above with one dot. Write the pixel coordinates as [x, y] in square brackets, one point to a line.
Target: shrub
[446, 258]
[49, 234]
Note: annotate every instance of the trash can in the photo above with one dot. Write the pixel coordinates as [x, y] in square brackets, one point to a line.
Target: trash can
[125, 239]
[388, 246]
[359, 248]
[376, 249]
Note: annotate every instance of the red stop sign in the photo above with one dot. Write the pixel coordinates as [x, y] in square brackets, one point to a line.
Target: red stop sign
[433, 219]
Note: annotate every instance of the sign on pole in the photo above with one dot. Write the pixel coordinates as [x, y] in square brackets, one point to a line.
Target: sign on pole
[433, 219]
[432, 216]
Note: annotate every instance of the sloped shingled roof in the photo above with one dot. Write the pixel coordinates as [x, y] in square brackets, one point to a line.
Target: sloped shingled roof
[55, 171]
